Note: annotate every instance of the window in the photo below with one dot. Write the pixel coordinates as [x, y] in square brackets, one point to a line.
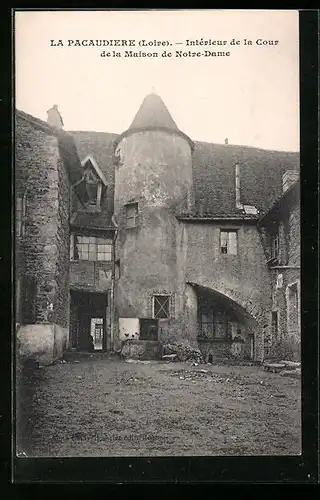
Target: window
[274, 325]
[97, 332]
[293, 308]
[20, 215]
[228, 242]
[92, 248]
[213, 326]
[131, 215]
[207, 324]
[275, 244]
[161, 306]
[94, 188]
[233, 330]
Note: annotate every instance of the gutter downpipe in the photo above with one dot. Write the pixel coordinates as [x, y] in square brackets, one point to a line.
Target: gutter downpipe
[112, 312]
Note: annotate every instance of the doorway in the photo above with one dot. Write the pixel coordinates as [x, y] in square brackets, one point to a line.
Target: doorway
[97, 333]
[88, 326]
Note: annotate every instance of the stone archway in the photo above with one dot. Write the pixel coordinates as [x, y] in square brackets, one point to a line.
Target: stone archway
[228, 327]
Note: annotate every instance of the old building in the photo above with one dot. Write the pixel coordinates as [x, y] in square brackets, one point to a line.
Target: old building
[157, 238]
[46, 166]
[280, 227]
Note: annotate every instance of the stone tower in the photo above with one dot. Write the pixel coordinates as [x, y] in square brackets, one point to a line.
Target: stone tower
[153, 182]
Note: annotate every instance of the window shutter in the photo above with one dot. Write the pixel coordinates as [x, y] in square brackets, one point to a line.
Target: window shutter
[233, 242]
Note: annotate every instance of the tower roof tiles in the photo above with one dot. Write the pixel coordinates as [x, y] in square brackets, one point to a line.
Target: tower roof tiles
[153, 113]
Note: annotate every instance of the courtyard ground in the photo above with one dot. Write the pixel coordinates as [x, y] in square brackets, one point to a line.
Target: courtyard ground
[98, 405]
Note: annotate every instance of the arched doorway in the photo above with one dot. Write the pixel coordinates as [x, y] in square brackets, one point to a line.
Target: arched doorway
[225, 329]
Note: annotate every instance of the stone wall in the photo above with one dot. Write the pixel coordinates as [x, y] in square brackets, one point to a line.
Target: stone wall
[89, 276]
[294, 236]
[62, 299]
[286, 344]
[243, 278]
[155, 171]
[44, 248]
[222, 351]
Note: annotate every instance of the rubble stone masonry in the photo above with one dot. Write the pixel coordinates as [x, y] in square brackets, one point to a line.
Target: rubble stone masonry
[286, 343]
[44, 250]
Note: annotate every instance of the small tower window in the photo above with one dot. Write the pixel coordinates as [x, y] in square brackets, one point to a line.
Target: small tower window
[161, 306]
[131, 215]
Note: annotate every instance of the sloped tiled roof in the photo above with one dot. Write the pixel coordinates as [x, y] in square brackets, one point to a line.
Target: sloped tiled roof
[260, 176]
[213, 164]
[286, 199]
[99, 145]
[213, 171]
[26, 124]
[94, 220]
[153, 114]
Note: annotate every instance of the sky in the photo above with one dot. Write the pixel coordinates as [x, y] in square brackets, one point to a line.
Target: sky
[250, 97]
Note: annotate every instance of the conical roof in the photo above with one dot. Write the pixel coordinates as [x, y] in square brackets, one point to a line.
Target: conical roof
[153, 113]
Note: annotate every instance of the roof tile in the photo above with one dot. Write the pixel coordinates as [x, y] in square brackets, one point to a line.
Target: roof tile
[153, 113]
[213, 171]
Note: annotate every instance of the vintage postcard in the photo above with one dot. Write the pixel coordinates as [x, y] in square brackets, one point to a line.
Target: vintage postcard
[157, 265]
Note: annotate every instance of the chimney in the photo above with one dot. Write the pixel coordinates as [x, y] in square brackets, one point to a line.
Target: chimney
[237, 175]
[54, 119]
[289, 178]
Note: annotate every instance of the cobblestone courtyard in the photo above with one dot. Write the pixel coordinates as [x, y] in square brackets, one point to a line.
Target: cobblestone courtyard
[102, 406]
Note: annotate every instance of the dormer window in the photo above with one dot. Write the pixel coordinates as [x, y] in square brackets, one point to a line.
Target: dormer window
[94, 189]
[96, 183]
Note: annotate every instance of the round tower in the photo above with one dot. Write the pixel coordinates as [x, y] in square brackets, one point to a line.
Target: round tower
[153, 184]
